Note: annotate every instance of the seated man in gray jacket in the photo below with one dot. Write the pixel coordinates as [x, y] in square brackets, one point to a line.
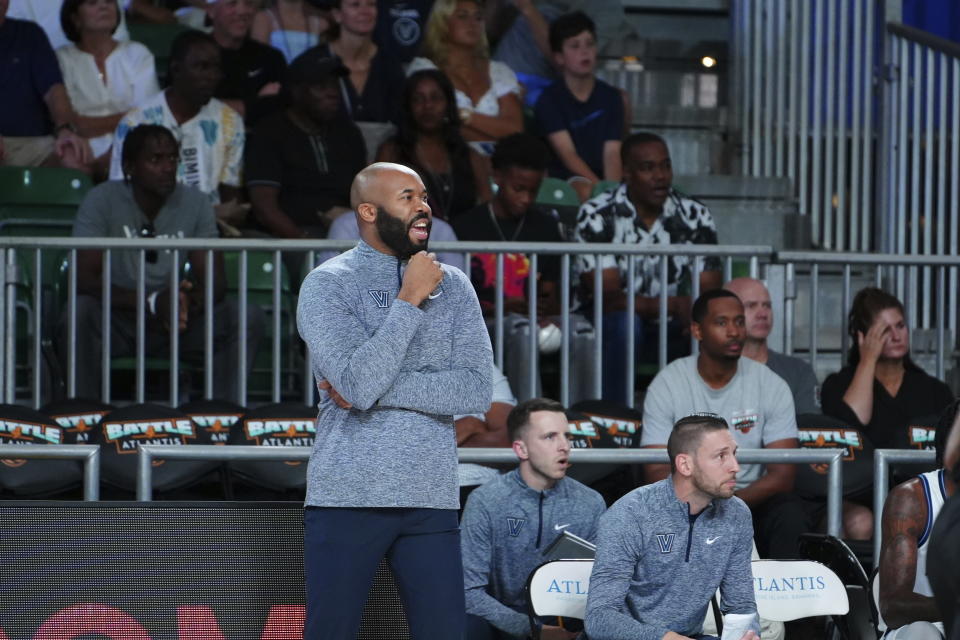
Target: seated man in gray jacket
[509, 522]
[665, 548]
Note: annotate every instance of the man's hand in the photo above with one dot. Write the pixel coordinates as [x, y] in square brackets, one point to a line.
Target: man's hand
[422, 277]
[232, 212]
[549, 632]
[269, 89]
[324, 385]
[183, 311]
[750, 635]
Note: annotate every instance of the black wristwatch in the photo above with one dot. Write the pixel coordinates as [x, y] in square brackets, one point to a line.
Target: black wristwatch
[65, 125]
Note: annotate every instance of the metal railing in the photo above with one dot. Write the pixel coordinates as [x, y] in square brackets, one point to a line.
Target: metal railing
[9, 248]
[882, 459]
[88, 454]
[831, 457]
[806, 107]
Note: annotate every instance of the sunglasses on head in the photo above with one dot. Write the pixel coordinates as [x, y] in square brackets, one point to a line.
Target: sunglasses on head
[147, 231]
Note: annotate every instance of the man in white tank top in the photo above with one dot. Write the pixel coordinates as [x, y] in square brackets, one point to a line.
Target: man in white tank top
[907, 608]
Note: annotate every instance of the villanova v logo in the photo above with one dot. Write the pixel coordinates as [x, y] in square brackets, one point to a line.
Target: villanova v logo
[665, 540]
[382, 298]
[514, 525]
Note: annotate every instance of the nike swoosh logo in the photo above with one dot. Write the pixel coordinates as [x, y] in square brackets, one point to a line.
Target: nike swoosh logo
[712, 540]
[253, 73]
[560, 527]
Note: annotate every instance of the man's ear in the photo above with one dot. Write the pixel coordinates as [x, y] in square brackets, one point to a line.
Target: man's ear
[367, 212]
[520, 449]
[696, 331]
[684, 464]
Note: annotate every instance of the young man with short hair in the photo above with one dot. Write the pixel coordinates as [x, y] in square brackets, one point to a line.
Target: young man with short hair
[665, 548]
[519, 164]
[509, 521]
[756, 403]
[583, 117]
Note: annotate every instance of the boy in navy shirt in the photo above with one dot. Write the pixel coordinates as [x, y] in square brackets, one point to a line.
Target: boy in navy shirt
[582, 117]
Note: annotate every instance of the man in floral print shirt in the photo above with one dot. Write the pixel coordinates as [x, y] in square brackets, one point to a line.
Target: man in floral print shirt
[644, 210]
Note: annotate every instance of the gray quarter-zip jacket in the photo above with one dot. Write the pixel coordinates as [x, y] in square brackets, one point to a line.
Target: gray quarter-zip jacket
[657, 568]
[406, 370]
[506, 527]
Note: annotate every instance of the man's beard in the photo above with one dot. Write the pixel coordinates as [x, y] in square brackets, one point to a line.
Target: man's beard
[396, 235]
[715, 491]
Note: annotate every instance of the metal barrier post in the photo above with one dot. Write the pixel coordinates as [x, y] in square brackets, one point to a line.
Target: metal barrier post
[89, 454]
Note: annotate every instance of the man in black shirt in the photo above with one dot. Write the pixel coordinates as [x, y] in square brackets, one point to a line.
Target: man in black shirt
[519, 164]
[301, 161]
[252, 71]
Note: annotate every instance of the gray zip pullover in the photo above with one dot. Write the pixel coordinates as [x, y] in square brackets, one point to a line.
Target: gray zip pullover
[657, 568]
[405, 370]
[506, 527]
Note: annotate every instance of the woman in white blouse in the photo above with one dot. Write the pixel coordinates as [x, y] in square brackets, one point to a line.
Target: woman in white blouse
[104, 78]
[488, 94]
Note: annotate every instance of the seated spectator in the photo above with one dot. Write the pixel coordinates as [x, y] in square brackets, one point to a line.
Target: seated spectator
[400, 27]
[46, 13]
[799, 376]
[345, 227]
[582, 117]
[149, 203]
[519, 164]
[484, 430]
[881, 391]
[519, 32]
[292, 26]
[645, 211]
[428, 141]
[755, 401]
[509, 521]
[487, 91]
[797, 373]
[372, 89]
[664, 549]
[907, 607]
[301, 161]
[210, 134]
[104, 77]
[37, 123]
[252, 71]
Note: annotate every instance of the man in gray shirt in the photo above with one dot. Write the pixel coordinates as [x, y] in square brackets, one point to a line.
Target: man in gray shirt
[398, 346]
[149, 203]
[755, 402]
[512, 519]
[758, 313]
[664, 549]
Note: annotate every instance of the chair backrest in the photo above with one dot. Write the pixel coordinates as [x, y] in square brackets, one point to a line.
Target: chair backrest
[603, 186]
[40, 201]
[556, 192]
[558, 588]
[791, 589]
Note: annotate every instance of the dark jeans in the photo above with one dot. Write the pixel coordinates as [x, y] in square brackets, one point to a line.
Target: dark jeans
[123, 342]
[646, 338]
[342, 548]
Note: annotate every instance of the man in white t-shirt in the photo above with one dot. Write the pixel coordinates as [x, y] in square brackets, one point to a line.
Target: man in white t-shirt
[210, 134]
[755, 402]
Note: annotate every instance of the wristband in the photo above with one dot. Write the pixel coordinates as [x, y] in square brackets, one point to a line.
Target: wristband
[152, 302]
[65, 125]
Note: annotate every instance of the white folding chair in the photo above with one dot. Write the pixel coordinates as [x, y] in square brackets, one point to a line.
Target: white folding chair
[791, 589]
[558, 588]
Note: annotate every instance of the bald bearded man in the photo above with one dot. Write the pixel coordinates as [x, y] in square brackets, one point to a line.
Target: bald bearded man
[398, 346]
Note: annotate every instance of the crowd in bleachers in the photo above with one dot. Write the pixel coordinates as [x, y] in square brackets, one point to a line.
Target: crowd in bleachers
[270, 109]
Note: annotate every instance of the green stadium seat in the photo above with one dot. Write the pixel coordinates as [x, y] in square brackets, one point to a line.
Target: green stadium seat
[40, 201]
[557, 193]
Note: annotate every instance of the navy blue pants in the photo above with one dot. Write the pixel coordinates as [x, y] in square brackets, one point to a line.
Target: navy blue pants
[342, 549]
